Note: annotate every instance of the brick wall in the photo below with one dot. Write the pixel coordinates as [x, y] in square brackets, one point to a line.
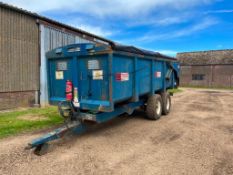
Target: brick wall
[9, 100]
[215, 65]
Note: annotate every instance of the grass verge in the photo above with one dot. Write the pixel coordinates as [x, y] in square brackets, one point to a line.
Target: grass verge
[16, 122]
[174, 90]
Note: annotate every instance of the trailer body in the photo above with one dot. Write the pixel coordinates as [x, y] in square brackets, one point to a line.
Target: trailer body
[105, 77]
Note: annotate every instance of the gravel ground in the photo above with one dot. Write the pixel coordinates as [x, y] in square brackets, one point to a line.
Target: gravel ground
[195, 138]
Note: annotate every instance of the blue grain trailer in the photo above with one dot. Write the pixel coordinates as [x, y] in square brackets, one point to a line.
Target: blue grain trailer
[94, 82]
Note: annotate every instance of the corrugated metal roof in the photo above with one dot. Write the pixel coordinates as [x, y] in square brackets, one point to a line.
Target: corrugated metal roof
[211, 57]
[35, 15]
[202, 51]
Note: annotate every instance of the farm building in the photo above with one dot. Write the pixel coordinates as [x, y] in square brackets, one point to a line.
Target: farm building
[25, 37]
[207, 68]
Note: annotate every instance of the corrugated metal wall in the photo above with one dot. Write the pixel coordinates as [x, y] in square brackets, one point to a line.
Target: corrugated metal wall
[24, 41]
[54, 38]
[19, 53]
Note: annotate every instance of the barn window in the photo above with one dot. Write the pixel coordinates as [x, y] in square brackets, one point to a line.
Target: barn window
[198, 77]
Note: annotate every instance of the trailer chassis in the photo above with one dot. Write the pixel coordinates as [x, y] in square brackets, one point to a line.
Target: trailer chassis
[77, 124]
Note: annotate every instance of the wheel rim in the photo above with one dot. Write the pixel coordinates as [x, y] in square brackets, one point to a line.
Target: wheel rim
[158, 107]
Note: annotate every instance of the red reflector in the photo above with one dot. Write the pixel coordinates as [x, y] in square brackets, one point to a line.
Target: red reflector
[122, 76]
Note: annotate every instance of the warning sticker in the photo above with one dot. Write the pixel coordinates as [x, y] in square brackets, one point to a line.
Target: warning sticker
[97, 74]
[123, 76]
[59, 75]
[93, 64]
[158, 74]
[61, 65]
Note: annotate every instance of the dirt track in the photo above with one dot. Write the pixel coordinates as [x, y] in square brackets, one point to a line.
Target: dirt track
[196, 138]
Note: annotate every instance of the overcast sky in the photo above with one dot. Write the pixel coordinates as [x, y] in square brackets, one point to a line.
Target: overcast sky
[168, 26]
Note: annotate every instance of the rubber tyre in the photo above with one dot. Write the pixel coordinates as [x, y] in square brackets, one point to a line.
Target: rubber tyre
[154, 107]
[166, 99]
